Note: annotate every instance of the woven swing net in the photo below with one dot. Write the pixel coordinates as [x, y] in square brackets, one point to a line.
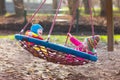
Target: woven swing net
[50, 54]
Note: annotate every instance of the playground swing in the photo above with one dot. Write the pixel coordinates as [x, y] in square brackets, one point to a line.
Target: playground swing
[53, 52]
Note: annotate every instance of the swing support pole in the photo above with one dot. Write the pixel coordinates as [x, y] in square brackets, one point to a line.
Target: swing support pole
[110, 27]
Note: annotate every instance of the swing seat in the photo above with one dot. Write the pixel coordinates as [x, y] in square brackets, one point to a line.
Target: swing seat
[50, 51]
[54, 52]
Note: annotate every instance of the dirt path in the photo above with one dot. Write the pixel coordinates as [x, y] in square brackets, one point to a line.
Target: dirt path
[18, 64]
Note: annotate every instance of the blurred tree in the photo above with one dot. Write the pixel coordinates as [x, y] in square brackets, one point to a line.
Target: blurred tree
[2, 7]
[118, 4]
[71, 5]
[19, 7]
[86, 6]
[55, 4]
[103, 8]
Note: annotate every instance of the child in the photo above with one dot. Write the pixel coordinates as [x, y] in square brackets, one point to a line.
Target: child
[35, 31]
[89, 44]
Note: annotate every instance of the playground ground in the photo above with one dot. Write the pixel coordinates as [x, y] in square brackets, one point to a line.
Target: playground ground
[17, 64]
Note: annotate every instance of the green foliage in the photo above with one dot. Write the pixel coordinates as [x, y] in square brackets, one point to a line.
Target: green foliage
[117, 37]
[104, 38]
[8, 36]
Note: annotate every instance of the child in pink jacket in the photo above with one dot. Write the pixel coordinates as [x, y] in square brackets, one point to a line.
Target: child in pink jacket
[88, 45]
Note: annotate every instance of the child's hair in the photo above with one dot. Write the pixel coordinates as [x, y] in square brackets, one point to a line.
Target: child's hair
[34, 28]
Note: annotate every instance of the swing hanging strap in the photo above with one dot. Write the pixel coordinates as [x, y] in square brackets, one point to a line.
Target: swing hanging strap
[73, 17]
[91, 20]
[53, 23]
[91, 17]
[72, 20]
[30, 20]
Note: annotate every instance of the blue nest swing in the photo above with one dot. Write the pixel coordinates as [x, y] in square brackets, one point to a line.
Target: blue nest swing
[53, 52]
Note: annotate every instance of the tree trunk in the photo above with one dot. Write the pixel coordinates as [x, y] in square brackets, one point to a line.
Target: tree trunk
[55, 4]
[103, 8]
[19, 7]
[2, 7]
[72, 5]
[118, 4]
[86, 6]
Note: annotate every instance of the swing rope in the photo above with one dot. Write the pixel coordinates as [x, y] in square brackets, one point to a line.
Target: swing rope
[91, 17]
[30, 20]
[72, 20]
[53, 23]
